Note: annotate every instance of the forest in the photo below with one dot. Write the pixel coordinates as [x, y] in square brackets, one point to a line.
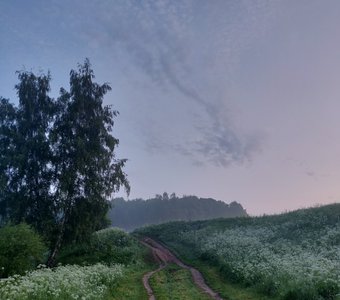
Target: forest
[136, 213]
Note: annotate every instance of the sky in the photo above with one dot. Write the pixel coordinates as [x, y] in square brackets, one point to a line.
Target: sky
[234, 100]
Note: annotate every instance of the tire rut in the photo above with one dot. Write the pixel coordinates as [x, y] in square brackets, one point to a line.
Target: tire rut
[163, 256]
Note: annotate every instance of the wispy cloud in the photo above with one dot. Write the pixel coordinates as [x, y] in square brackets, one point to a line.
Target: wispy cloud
[193, 48]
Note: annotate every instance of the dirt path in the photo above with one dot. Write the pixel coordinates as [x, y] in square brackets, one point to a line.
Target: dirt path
[164, 256]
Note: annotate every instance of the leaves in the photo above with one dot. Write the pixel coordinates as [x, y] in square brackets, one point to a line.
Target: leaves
[57, 158]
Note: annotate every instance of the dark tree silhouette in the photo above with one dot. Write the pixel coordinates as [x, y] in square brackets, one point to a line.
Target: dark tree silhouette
[57, 158]
[25, 166]
[137, 213]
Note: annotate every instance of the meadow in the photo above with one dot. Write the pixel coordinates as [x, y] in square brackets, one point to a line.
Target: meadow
[290, 256]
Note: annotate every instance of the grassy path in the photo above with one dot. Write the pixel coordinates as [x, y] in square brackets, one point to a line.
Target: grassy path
[130, 286]
[164, 257]
[173, 280]
[175, 283]
[213, 277]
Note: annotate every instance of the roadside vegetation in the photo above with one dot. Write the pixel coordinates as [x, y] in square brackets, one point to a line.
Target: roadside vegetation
[228, 290]
[174, 282]
[109, 266]
[288, 256]
[63, 282]
[130, 286]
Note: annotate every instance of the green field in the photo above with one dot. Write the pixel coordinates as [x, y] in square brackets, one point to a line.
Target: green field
[289, 256]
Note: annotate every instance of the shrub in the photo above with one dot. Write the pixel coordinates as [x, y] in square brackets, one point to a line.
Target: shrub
[21, 249]
[328, 289]
[268, 286]
[107, 246]
[301, 293]
[210, 257]
[112, 236]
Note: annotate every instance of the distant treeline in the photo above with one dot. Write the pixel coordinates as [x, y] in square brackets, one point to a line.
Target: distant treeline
[164, 208]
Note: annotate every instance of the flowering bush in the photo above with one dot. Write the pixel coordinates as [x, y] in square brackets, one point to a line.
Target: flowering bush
[64, 282]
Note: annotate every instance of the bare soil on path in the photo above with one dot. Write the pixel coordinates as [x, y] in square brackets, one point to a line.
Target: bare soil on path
[164, 257]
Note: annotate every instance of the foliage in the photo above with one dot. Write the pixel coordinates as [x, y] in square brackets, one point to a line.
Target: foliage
[277, 255]
[174, 282]
[7, 133]
[25, 164]
[112, 236]
[98, 281]
[57, 157]
[137, 213]
[227, 290]
[130, 286]
[107, 246]
[64, 282]
[21, 249]
[87, 170]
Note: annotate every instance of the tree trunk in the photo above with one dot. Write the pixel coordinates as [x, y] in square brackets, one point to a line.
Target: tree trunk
[52, 258]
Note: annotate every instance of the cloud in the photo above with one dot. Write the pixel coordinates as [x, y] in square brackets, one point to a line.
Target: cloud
[310, 173]
[193, 48]
[219, 143]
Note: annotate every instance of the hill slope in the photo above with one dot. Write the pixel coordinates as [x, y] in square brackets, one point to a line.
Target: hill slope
[137, 213]
[292, 256]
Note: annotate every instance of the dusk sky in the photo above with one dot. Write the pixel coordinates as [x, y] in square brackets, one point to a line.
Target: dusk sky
[234, 100]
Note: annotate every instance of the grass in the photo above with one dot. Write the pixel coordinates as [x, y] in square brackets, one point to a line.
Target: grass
[227, 290]
[213, 277]
[130, 286]
[175, 283]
